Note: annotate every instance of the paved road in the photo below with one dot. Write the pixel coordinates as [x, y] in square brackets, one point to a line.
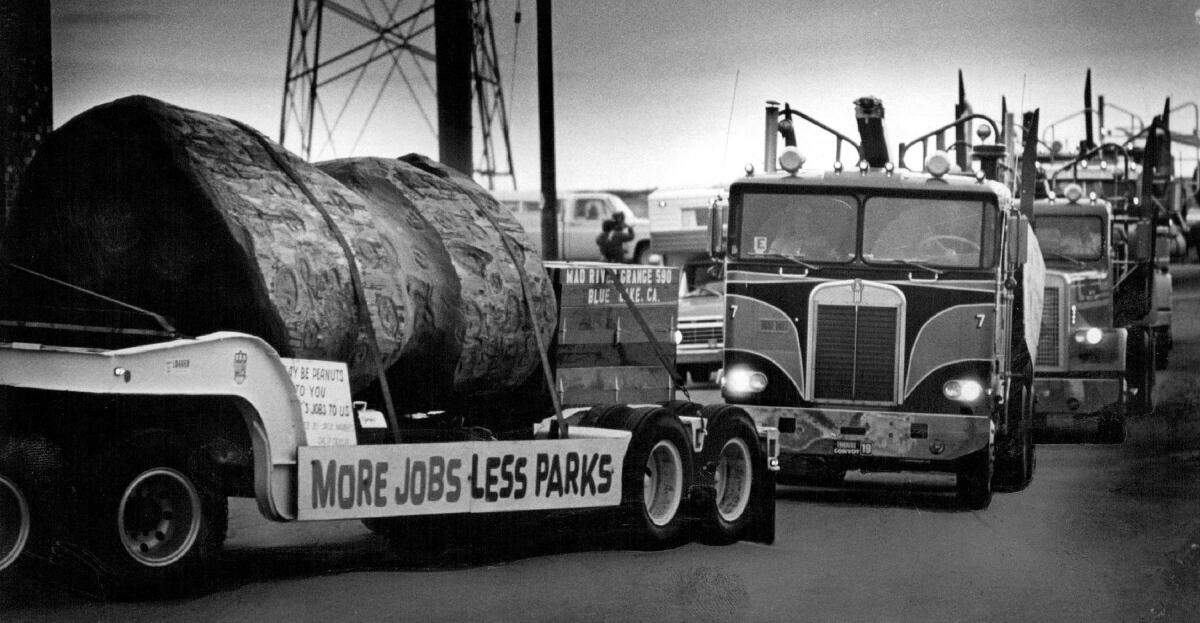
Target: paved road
[1104, 533]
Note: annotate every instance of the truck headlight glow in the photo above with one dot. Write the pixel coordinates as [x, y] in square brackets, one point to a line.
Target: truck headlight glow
[744, 381]
[1091, 335]
[963, 390]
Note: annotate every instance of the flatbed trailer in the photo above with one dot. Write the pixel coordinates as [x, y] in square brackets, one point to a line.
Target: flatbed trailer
[132, 452]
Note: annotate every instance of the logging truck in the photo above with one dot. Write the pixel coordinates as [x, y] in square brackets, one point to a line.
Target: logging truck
[879, 317]
[1107, 316]
[369, 339]
[131, 453]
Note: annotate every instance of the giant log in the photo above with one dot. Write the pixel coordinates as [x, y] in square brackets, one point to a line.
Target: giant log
[204, 221]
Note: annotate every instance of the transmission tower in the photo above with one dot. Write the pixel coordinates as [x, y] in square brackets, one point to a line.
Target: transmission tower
[338, 53]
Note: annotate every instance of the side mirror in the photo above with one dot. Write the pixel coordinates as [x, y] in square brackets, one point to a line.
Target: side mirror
[1018, 240]
[716, 231]
[1141, 242]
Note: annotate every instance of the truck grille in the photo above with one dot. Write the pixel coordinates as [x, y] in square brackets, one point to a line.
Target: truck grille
[1048, 344]
[855, 354]
[701, 335]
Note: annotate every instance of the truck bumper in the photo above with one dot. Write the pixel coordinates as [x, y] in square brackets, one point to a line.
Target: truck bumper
[714, 357]
[1065, 401]
[882, 440]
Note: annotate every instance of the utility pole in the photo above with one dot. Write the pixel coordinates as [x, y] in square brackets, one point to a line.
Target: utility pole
[545, 54]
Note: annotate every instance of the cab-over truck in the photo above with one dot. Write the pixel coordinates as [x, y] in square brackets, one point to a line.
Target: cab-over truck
[883, 319]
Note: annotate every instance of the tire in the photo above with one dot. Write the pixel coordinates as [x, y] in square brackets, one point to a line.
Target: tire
[1015, 458]
[974, 479]
[1139, 370]
[16, 521]
[1162, 348]
[160, 518]
[1112, 429]
[732, 454]
[656, 477]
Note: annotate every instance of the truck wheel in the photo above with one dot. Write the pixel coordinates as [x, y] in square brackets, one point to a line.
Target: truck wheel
[1162, 348]
[1015, 450]
[161, 517]
[732, 453]
[974, 479]
[1112, 428]
[657, 476]
[1139, 371]
[15, 522]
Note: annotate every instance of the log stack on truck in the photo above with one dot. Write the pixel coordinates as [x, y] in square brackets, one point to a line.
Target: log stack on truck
[189, 313]
[881, 318]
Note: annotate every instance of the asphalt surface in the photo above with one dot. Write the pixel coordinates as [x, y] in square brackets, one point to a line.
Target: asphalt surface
[1104, 533]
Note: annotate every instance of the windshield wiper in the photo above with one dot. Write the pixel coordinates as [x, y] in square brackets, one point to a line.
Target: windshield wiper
[791, 258]
[915, 264]
[1062, 256]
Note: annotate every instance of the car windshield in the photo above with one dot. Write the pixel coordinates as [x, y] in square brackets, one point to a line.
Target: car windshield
[817, 228]
[1071, 237]
[928, 231]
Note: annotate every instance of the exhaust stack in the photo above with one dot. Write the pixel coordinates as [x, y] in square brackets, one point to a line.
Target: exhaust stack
[868, 112]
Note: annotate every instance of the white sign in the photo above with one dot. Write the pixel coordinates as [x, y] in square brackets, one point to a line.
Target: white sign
[459, 477]
[323, 388]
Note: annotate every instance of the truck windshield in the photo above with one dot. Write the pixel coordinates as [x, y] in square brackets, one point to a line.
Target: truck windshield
[1072, 237]
[817, 228]
[928, 231]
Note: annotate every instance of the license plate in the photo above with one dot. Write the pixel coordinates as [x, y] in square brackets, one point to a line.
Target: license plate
[851, 446]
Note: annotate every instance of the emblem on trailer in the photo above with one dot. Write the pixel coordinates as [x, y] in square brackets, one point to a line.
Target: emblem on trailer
[239, 367]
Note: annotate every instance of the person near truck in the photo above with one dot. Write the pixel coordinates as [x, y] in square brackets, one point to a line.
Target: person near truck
[614, 233]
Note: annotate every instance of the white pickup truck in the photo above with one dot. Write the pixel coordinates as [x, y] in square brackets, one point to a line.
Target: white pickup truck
[580, 216]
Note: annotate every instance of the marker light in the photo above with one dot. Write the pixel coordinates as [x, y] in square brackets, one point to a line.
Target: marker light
[938, 164]
[749, 169]
[1103, 165]
[837, 166]
[791, 160]
[1073, 192]
[863, 166]
[964, 390]
[744, 381]
[677, 336]
[1092, 196]
[889, 167]
[1091, 335]
[983, 131]
[979, 176]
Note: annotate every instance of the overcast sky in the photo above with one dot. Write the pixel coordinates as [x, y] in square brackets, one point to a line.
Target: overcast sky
[645, 90]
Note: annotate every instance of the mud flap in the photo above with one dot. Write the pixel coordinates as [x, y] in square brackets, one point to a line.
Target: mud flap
[763, 526]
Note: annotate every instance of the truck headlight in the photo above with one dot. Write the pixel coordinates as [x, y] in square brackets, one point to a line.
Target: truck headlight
[1090, 335]
[744, 381]
[963, 390]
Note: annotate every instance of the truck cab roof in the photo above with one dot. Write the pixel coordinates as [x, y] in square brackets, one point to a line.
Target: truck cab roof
[879, 179]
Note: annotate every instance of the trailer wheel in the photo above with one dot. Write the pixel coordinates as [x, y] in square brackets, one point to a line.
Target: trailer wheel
[161, 517]
[974, 479]
[731, 453]
[15, 522]
[657, 475]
